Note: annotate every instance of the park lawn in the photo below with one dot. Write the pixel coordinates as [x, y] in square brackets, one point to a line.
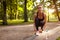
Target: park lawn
[58, 38]
[21, 22]
[17, 22]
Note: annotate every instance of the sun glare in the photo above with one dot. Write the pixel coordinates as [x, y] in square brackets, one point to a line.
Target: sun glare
[38, 1]
[51, 11]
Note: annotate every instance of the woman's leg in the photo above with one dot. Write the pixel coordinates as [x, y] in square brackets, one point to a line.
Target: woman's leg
[36, 28]
[41, 26]
[36, 24]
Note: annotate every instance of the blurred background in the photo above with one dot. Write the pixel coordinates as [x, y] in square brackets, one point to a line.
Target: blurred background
[20, 12]
[13, 12]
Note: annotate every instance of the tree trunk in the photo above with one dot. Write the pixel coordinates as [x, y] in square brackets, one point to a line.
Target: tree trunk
[11, 15]
[25, 12]
[16, 9]
[54, 1]
[4, 14]
[10, 12]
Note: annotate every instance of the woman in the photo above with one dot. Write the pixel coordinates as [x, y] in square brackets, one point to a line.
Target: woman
[39, 20]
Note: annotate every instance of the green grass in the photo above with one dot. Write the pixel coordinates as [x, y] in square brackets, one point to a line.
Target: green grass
[21, 22]
[17, 22]
[58, 38]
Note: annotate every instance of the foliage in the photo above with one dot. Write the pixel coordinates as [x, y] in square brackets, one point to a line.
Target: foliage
[15, 8]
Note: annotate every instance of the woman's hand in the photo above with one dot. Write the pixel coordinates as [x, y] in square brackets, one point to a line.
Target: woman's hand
[40, 30]
[44, 27]
[34, 29]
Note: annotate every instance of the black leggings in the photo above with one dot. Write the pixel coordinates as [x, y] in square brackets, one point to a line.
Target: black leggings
[39, 23]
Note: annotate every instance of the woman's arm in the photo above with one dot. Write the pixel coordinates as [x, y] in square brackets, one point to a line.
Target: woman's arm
[34, 21]
[45, 20]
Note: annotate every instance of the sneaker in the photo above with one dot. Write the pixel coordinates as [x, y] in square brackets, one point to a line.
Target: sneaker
[38, 34]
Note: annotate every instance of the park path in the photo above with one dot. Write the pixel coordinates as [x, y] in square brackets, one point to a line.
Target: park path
[23, 32]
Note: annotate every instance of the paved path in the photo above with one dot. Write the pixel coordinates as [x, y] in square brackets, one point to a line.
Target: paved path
[50, 34]
[23, 32]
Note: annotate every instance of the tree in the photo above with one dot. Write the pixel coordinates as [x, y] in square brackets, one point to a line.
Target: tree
[4, 14]
[25, 12]
[54, 1]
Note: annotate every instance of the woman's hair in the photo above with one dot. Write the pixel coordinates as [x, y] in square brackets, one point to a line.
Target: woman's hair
[39, 6]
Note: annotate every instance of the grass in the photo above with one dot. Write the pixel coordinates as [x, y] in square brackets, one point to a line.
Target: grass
[58, 38]
[17, 22]
[20, 22]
